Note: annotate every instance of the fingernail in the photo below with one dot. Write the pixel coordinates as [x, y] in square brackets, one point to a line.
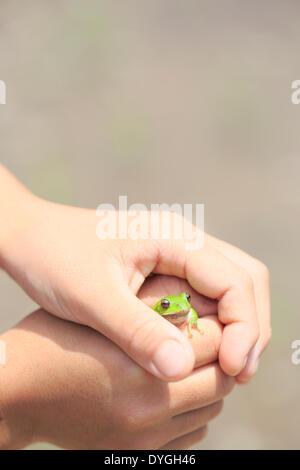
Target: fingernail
[250, 372]
[170, 360]
[254, 367]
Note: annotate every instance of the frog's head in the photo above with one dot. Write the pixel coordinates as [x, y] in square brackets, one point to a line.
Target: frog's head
[173, 304]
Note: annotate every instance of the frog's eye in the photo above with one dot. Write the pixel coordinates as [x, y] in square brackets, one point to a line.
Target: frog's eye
[188, 297]
[165, 303]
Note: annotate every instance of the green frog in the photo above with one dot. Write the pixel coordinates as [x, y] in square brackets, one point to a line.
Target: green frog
[177, 309]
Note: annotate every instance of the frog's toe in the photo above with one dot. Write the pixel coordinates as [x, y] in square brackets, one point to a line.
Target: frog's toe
[195, 326]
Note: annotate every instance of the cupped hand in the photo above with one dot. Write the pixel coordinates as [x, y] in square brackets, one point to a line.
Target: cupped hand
[57, 258]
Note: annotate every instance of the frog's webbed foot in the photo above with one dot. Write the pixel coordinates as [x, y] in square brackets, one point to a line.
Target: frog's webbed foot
[188, 326]
[195, 326]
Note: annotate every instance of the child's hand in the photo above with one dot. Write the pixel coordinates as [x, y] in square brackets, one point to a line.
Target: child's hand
[67, 384]
[53, 252]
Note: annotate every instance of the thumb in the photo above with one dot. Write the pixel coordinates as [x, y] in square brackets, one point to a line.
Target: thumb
[150, 340]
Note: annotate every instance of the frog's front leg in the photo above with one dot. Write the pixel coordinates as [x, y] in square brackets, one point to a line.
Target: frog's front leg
[192, 323]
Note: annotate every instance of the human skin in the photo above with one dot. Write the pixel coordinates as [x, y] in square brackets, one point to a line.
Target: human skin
[69, 385]
[53, 253]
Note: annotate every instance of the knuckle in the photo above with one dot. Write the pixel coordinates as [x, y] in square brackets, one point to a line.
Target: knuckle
[269, 335]
[135, 424]
[131, 419]
[261, 271]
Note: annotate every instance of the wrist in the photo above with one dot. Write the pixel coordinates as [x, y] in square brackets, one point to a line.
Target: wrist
[17, 211]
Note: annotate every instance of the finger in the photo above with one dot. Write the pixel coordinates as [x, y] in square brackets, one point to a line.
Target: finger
[179, 426]
[262, 295]
[187, 441]
[191, 421]
[203, 387]
[206, 346]
[151, 341]
[260, 277]
[230, 284]
[215, 276]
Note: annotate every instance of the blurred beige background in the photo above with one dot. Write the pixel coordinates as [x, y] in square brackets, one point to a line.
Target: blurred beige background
[170, 101]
